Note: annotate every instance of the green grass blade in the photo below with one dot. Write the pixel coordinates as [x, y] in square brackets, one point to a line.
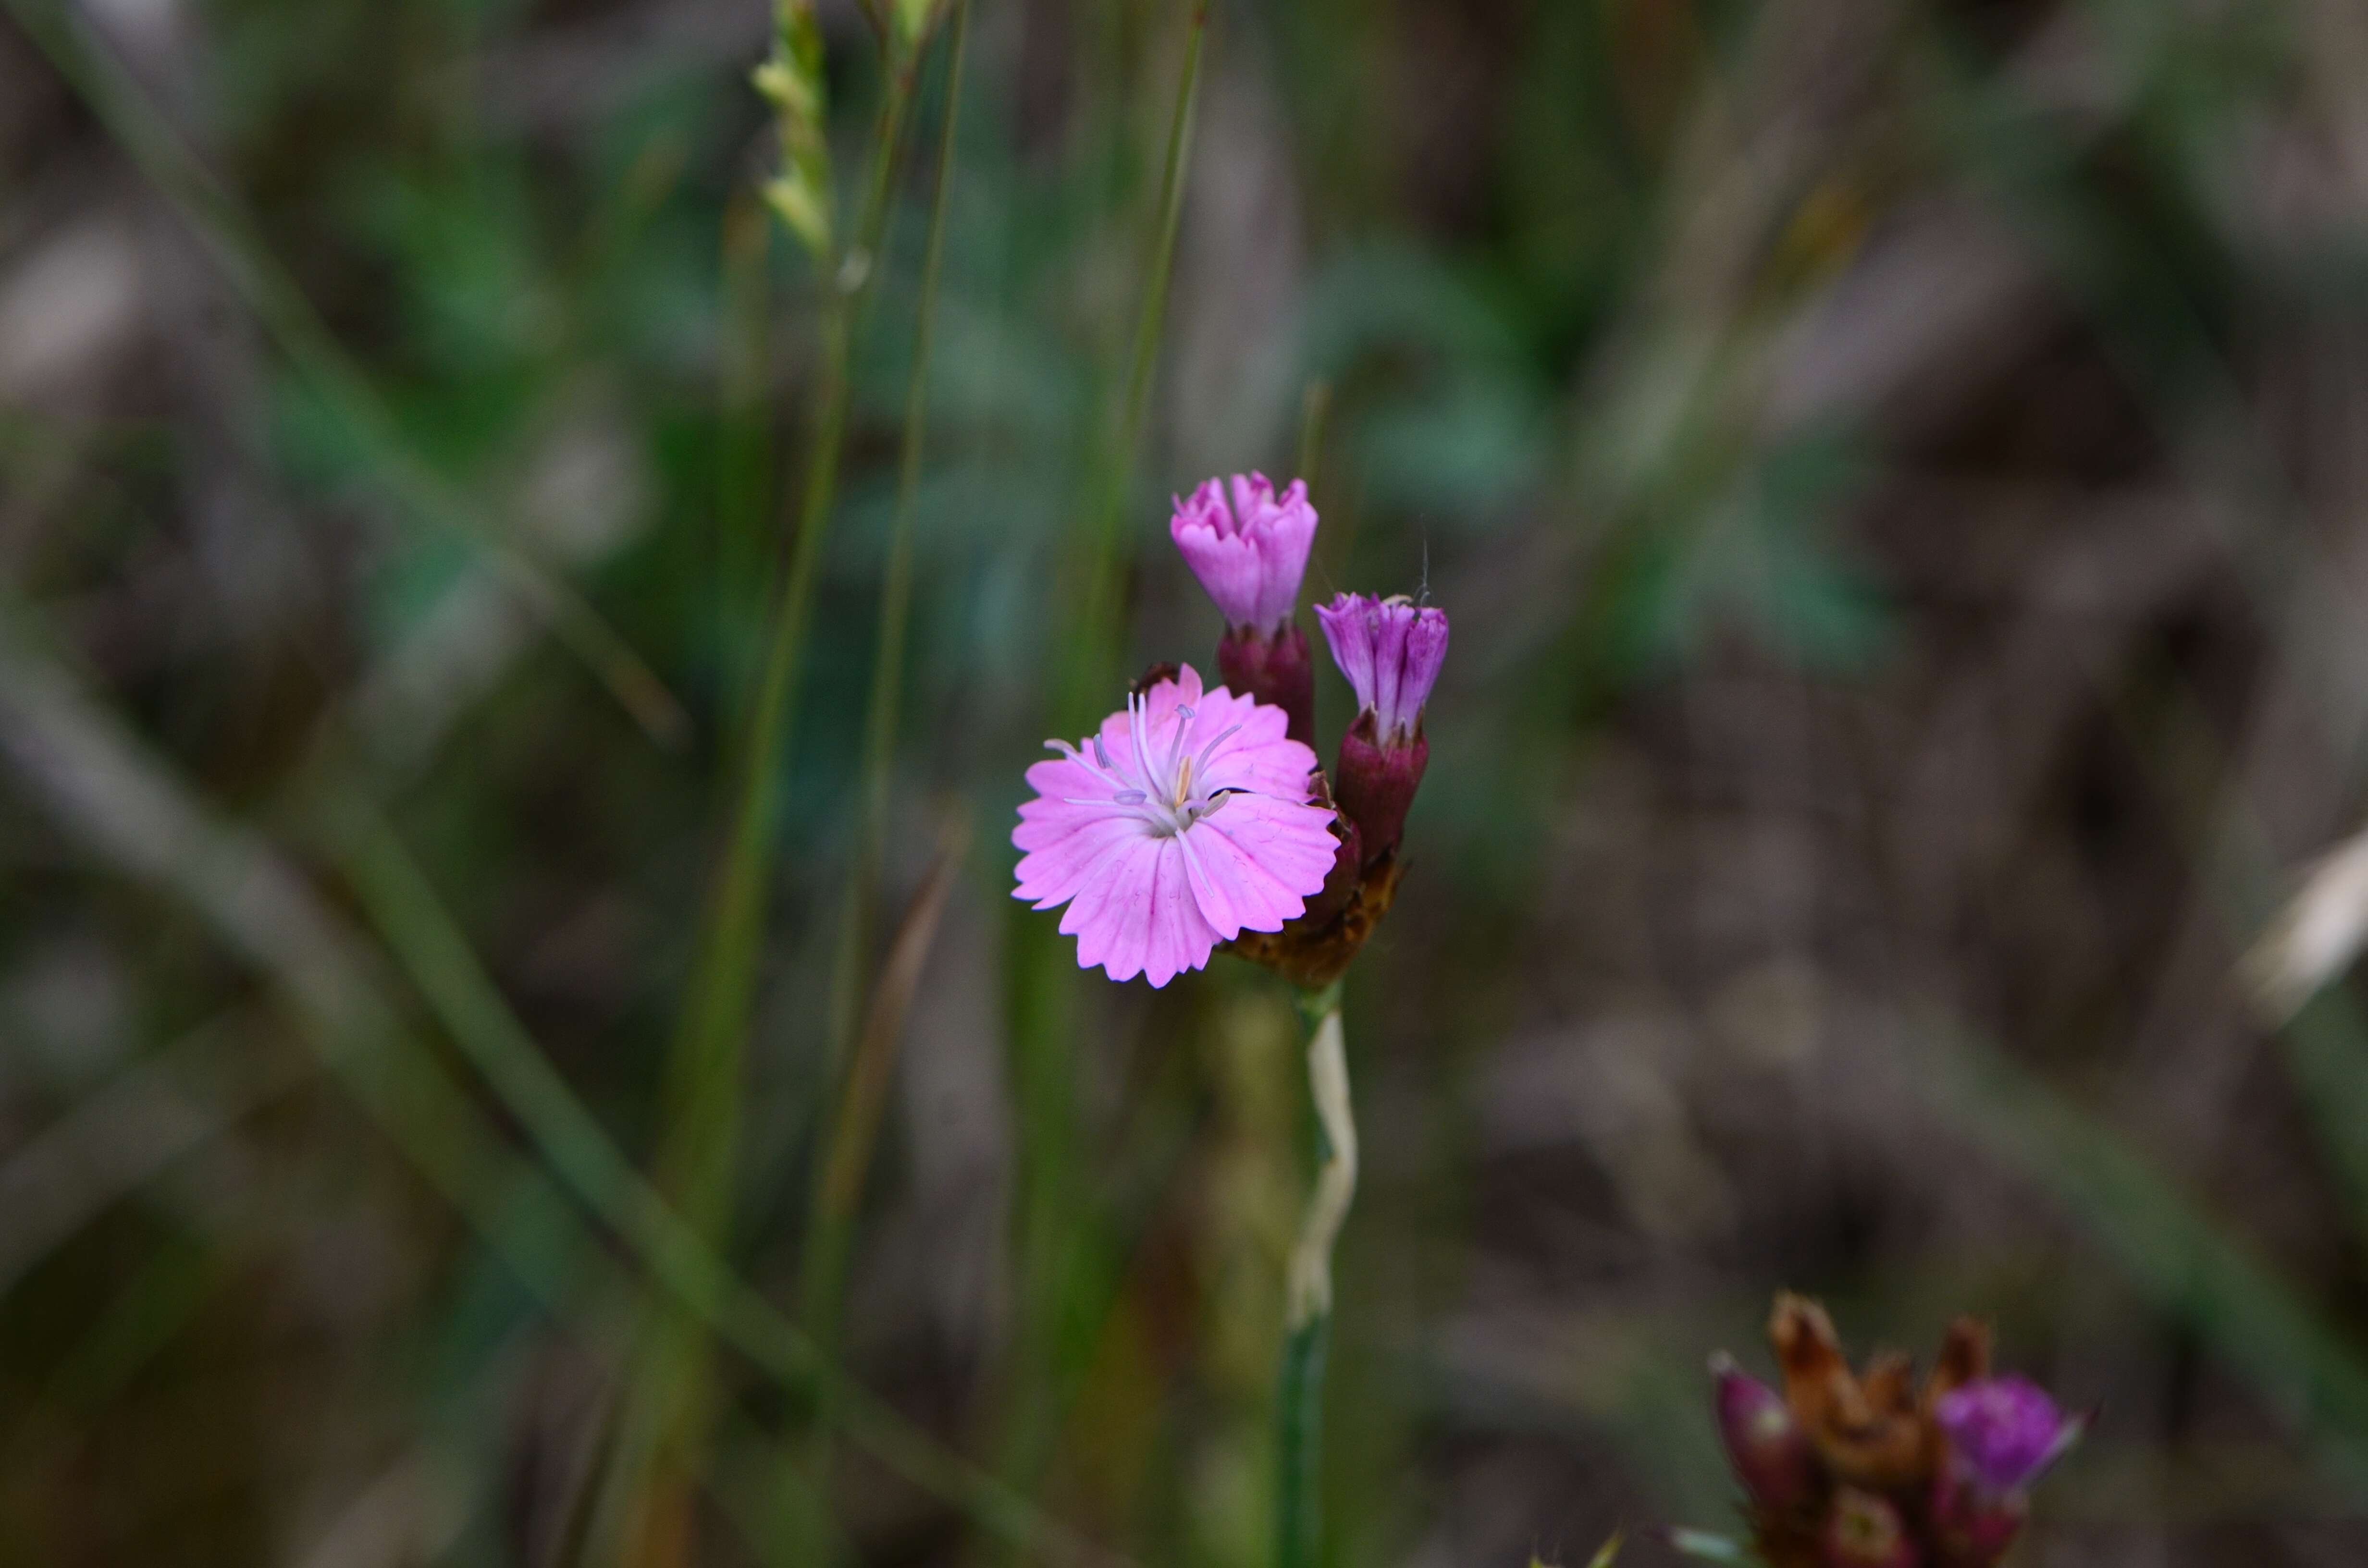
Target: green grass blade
[885, 705]
[131, 811]
[1084, 695]
[844, 1150]
[699, 1143]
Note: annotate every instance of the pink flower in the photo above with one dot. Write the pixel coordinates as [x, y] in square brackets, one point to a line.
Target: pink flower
[1184, 822]
[2005, 1431]
[1249, 557]
[1390, 650]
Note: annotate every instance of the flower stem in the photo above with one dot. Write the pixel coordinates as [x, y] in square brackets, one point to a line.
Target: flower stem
[1307, 1314]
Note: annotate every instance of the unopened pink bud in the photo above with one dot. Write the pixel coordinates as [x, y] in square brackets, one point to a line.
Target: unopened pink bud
[1274, 668]
[1375, 784]
[1249, 552]
[1764, 1443]
[1390, 650]
[2005, 1432]
[1865, 1531]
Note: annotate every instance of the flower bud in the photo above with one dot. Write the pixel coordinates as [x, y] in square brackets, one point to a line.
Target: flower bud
[1770, 1452]
[1864, 1530]
[1971, 1527]
[1376, 784]
[1273, 668]
[2004, 1432]
[1250, 555]
[1391, 651]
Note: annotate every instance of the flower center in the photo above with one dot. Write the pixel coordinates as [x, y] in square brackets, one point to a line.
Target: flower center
[1165, 787]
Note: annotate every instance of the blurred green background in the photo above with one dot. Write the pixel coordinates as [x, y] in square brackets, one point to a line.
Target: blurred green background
[1896, 469]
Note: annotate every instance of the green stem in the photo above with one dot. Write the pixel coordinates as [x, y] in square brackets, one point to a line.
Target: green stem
[704, 1067]
[1086, 690]
[830, 1233]
[1299, 1414]
[1314, 408]
[1307, 1319]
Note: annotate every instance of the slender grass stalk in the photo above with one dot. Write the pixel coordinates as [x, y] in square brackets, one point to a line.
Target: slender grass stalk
[292, 324]
[699, 1144]
[404, 908]
[845, 1151]
[895, 611]
[1307, 1311]
[1060, 1280]
[132, 812]
[704, 1068]
[1085, 692]
[1315, 411]
[744, 454]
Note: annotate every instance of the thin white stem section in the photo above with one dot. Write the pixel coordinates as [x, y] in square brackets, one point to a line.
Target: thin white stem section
[1336, 1181]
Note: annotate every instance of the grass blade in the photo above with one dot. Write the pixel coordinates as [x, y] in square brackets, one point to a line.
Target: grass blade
[699, 1144]
[129, 808]
[896, 588]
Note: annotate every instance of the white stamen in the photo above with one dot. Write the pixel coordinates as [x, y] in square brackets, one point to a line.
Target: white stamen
[1164, 796]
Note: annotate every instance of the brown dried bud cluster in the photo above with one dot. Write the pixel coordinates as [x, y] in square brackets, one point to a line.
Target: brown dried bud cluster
[1315, 949]
[1871, 1470]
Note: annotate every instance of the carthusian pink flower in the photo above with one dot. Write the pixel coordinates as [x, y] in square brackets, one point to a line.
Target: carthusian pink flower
[1184, 822]
[2005, 1431]
[1391, 651]
[1249, 556]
